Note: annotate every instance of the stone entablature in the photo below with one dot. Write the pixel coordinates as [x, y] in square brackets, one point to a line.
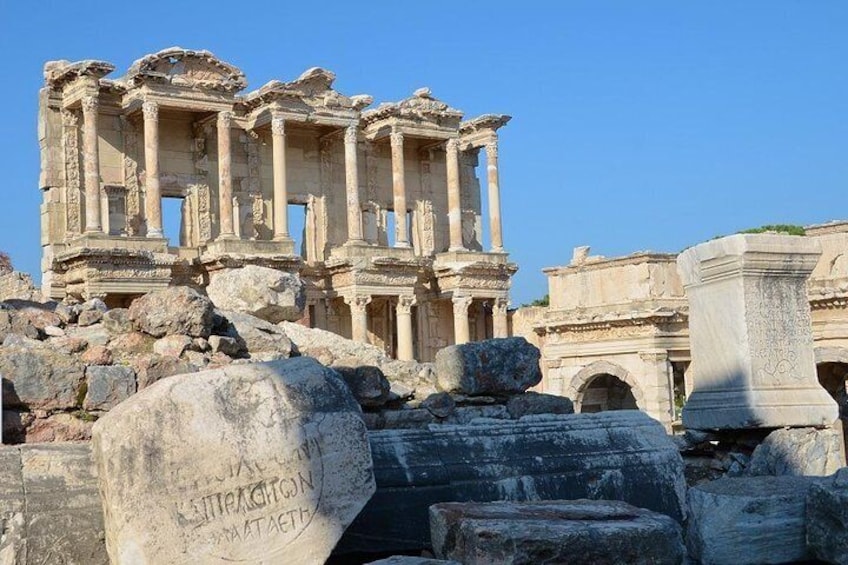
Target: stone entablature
[179, 125]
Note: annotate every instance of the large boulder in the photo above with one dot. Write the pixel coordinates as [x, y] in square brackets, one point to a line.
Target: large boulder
[253, 335]
[827, 519]
[578, 532]
[331, 348]
[259, 463]
[17, 285]
[266, 293]
[749, 520]
[494, 366]
[38, 377]
[798, 451]
[175, 310]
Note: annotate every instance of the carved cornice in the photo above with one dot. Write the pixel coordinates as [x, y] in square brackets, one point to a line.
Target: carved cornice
[59, 73]
[486, 122]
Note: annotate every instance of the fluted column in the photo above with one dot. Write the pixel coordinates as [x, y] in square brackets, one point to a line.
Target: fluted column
[354, 209]
[454, 202]
[461, 330]
[225, 179]
[494, 196]
[281, 195]
[399, 190]
[500, 322]
[152, 191]
[403, 312]
[91, 164]
[358, 316]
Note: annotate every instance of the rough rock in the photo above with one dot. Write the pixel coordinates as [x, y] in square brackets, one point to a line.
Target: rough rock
[11, 324]
[175, 310]
[54, 331]
[89, 317]
[59, 427]
[49, 506]
[280, 445]
[255, 335]
[117, 321]
[93, 335]
[39, 378]
[330, 348]
[367, 384]
[108, 386]
[538, 403]
[440, 404]
[18, 286]
[798, 451]
[97, 355]
[578, 532]
[623, 455]
[748, 520]
[410, 560]
[132, 343]
[494, 366]
[268, 294]
[152, 368]
[227, 345]
[827, 519]
[172, 345]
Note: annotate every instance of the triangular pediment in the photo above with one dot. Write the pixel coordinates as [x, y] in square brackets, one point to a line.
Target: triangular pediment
[188, 69]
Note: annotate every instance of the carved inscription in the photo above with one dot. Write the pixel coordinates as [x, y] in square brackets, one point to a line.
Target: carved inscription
[777, 321]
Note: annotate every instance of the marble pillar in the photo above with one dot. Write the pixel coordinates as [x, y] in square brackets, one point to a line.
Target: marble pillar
[358, 316]
[461, 328]
[500, 322]
[403, 311]
[750, 333]
[399, 191]
[281, 196]
[454, 201]
[354, 208]
[225, 179]
[91, 164]
[494, 196]
[152, 191]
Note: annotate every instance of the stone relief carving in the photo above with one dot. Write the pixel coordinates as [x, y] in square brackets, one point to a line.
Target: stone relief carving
[70, 143]
[134, 223]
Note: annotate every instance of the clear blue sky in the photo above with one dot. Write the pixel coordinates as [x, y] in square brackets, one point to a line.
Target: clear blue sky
[636, 125]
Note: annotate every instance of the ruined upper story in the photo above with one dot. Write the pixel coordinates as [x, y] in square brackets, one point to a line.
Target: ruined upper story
[180, 124]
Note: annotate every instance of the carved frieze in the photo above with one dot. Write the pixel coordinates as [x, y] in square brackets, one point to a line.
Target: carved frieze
[70, 146]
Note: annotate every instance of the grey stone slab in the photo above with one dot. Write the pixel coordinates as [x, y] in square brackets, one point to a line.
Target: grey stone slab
[827, 519]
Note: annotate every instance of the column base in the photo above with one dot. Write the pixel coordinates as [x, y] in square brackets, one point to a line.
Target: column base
[497, 250]
[403, 244]
[155, 233]
[356, 243]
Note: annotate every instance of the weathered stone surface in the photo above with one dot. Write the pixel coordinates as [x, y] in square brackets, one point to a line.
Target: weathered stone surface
[748, 520]
[152, 368]
[226, 345]
[440, 404]
[590, 532]
[330, 348]
[39, 377]
[59, 427]
[19, 286]
[258, 462]
[93, 335]
[798, 451]
[131, 343]
[49, 506]
[117, 321]
[538, 403]
[172, 345]
[621, 455]
[108, 386]
[255, 335]
[268, 294]
[367, 384]
[97, 355]
[494, 366]
[175, 310]
[759, 371]
[89, 317]
[410, 560]
[827, 519]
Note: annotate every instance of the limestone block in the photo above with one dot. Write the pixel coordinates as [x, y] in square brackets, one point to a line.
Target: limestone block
[827, 519]
[261, 463]
[174, 310]
[748, 520]
[254, 335]
[798, 451]
[751, 338]
[266, 293]
[494, 366]
[577, 532]
[39, 377]
[367, 384]
[538, 403]
[108, 386]
[622, 455]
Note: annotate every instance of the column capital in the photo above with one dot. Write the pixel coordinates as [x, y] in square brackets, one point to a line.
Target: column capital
[357, 301]
[452, 145]
[500, 305]
[278, 125]
[405, 302]
[396, 139]
[492, 149]
[351, 134]
[90, 103]
[70, 118]
[461, 304]
[150, 110]
[225, 119]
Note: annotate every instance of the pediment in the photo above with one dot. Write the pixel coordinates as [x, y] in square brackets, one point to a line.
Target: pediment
[188, 69]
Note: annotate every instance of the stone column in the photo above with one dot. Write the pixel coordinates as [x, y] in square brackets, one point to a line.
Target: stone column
[750, 333]
[359, 316]
[494, 196]
[225, 179]
[461, 330]
[281, 195]
[454, 202]
[403, 312]
[152, 191]
[399, 191]
[500, 322]
[354, 209]
[91, 163]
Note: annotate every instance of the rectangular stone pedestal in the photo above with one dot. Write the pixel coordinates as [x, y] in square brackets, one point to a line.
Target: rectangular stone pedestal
[751, 335]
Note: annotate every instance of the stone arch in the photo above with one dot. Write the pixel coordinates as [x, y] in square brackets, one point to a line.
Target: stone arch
[831, 355]
[587, 374]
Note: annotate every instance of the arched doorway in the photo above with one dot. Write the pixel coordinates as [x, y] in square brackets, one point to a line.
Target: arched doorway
[832, 371]
[606, 392]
